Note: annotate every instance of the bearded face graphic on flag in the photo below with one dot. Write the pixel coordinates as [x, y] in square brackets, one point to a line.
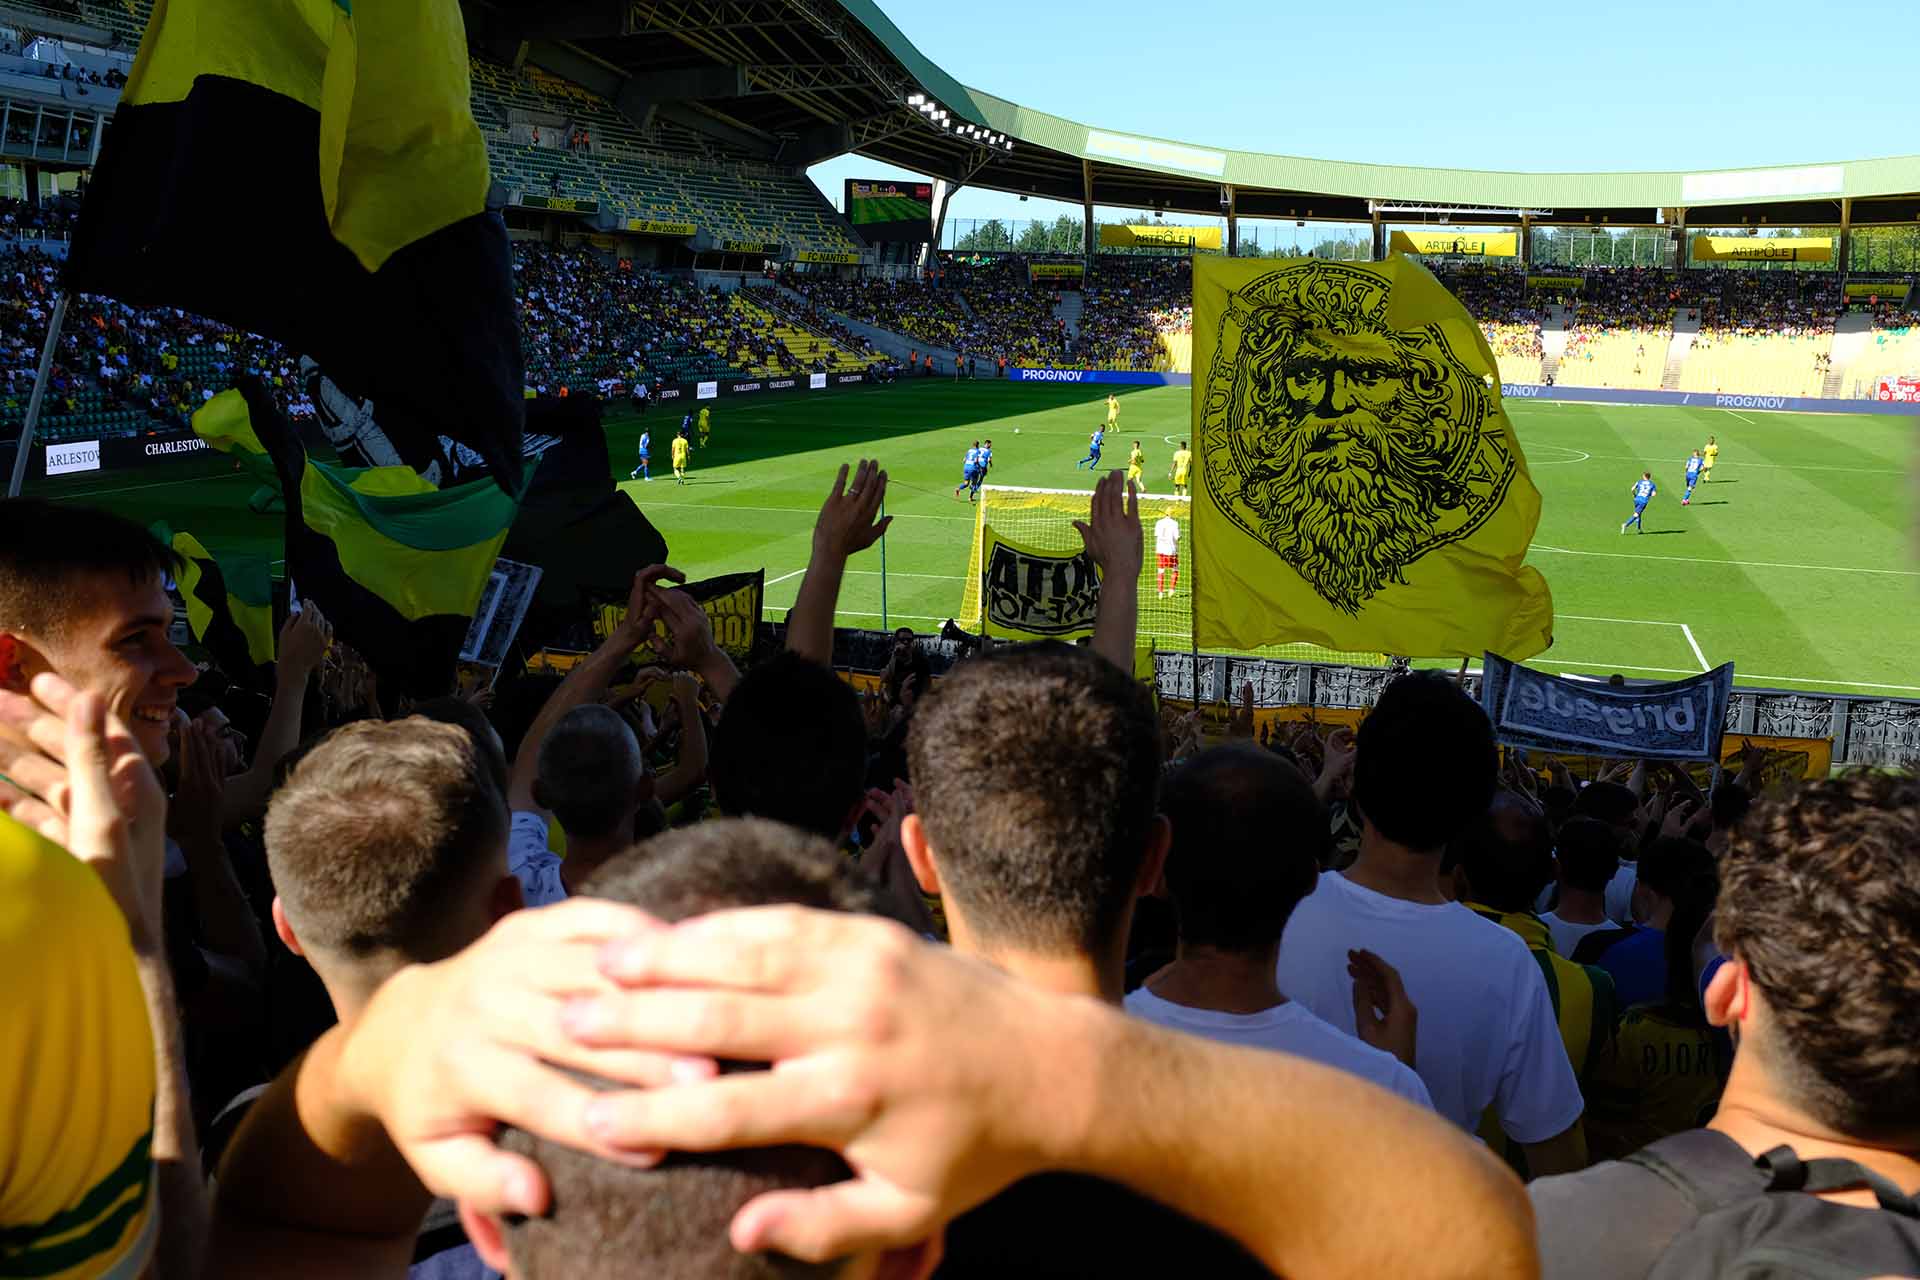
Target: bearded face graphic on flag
[1361, 487]
[1348, 447]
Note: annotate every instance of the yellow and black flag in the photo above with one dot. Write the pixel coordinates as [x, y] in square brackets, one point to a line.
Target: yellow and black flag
[1360, 485]
[396, 564]
[229, 603]
[310, 170]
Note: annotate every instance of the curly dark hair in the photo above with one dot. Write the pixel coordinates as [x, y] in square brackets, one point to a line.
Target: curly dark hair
[1820, 896]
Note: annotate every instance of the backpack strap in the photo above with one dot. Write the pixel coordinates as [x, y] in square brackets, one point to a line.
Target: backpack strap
[1786, 1171]
[1705, 1166]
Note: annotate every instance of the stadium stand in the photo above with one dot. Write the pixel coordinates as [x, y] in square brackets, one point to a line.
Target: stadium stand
[547, 137]
[1135, 308]
[1893, 350]
[930, 313]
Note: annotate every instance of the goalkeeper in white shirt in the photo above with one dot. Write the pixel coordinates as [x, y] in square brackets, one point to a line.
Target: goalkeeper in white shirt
[1166, 547]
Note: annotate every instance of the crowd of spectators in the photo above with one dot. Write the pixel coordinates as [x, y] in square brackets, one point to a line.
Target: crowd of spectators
[336, 955]
[1130, 303]
[917, 309]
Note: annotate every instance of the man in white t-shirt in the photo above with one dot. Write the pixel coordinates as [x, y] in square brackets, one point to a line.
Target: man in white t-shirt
[1248, 837]
[1586, 856]
[1488, 1036]
[1166, 546]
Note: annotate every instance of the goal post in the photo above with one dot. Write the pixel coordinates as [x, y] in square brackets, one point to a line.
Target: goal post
[1043, 520]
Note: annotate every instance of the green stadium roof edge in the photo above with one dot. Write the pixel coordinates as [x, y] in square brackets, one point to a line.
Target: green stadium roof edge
[798, 81]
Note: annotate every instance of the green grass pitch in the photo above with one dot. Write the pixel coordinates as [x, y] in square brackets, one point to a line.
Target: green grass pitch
[889, 209]
[1796, 562]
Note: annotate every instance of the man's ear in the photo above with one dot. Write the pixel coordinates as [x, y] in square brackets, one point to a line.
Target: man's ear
[913, 838]
[1729, 996]
[285, 930]
[1153, 867]
[13, 672]
[507, 897]
[484, 1233]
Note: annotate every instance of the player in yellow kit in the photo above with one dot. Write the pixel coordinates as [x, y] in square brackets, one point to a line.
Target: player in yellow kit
[1182, 468]
[1113, 409]
[1136, 461]
[679, 459]
[706, 425]
[1709, 453]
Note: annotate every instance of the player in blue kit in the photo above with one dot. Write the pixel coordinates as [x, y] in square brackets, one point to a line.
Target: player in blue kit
[1693, 477]
[1643, 490]
[980, 469]
[646, 447]
[968, 470]
[1093, 449]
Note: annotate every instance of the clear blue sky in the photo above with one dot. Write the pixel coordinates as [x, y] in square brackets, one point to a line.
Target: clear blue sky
[1624, 84]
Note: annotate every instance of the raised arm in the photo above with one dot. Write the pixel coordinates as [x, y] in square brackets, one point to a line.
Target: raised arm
[585, 683]
[846, 526]
[303, 643]
[1112, 535]
[942, 1080]
[690, 770]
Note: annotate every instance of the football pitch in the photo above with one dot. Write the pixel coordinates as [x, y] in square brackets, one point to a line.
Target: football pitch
[1796, 561]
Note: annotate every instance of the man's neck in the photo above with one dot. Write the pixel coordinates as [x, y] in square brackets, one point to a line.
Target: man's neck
[1581, 906]
[1064, 973]
[1753, 1115]
[1395, 870]
[1224, 981]
[584, 856]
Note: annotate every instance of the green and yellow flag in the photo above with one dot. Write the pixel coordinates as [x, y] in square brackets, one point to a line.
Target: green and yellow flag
[1360, 486]
[310, 170]
[229, 603]
[396, 564]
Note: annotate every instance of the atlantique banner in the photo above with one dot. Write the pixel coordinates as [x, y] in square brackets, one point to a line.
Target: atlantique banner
[1679, 720]
[1036, 595]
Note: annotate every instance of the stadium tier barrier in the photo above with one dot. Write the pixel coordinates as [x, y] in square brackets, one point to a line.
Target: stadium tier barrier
[1863, 730]
[51, 458]
[1705, 400]
[1122, 377]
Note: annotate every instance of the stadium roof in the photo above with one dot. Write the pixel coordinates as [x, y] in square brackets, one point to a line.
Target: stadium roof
[799, 81]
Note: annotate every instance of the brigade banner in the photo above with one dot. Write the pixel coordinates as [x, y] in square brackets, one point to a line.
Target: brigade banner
[732, 603]
[1679, 720]
[1152, 235]
[1885, 290]
[1039, 271]
[648, 227]
[1036, 595]
[1361, 487]
[1763, 248]
[1499, 244]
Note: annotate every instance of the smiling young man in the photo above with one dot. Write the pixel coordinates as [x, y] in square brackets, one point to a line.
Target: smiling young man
[83, 594]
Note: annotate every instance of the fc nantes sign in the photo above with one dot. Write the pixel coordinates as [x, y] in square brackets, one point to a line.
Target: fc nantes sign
[1032, 594]
[1361, 487]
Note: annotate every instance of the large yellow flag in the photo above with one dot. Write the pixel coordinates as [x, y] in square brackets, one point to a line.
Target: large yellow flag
[1360, 485]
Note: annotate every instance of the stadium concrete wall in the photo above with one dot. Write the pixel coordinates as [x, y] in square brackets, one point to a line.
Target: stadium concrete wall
[1112, 377]
[1705, 400]
[126, 453]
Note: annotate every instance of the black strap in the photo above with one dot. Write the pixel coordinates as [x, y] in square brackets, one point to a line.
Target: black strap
[1707, 1167]
[1786, 1171]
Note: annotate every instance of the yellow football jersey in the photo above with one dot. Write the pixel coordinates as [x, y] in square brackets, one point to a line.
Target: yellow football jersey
[76, 1070]
[679, 451]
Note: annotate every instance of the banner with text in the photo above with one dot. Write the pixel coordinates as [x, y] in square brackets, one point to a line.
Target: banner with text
[1500, 244]
[1038, 271]
[649, 227]
[1152, 235]
[1036, 595]
[763, 248]
[1876, 291]
[1763, 248]
[1904, 389]
[731, 602]
[1680, 720]
[558, 204]
[1554, 282]
[828, 256]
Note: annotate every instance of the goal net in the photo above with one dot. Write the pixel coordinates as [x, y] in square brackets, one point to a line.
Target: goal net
[1043, 519]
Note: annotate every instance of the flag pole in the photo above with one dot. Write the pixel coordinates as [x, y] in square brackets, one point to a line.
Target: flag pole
[54, 326]
[883, 569]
